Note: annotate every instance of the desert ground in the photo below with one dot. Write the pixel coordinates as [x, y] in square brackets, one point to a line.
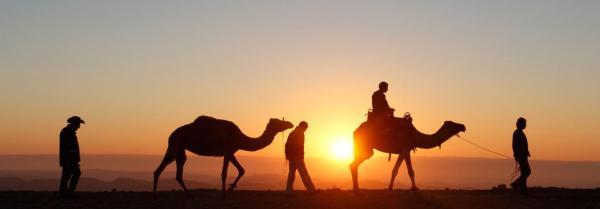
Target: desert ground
[329, 199]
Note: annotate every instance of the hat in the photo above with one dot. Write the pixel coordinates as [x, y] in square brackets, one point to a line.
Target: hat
[75, 119]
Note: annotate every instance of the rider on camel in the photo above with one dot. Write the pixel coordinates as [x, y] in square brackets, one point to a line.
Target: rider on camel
[381, 108]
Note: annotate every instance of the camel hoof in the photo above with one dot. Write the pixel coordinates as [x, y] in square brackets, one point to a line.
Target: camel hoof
[414, 189]
[357, 193]
[231, 188]
[390, 192]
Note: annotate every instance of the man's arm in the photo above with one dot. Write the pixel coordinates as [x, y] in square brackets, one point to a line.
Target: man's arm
[380, 102]
[515, 145]
[520, 145]
[385, 102]
[68, 148]
[63, 148]
[526, 145]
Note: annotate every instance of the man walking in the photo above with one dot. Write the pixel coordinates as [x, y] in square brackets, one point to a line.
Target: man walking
[521, 153]
[294, 153]
[69, 157]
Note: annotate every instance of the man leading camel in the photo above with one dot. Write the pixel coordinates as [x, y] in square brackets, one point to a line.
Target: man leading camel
[521, 153]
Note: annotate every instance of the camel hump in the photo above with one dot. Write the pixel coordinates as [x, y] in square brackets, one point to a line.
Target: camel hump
[204, 119]
[210, 122]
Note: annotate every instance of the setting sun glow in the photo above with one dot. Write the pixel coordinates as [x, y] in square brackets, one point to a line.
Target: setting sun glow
[341, 149]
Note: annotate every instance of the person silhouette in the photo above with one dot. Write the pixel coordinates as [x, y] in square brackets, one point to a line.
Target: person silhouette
[381, 108]
[521, 153]
[69, 157]
[294, 153]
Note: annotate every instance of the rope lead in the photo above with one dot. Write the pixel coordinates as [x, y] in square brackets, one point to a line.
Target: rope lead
[515, 172]
[483, 148]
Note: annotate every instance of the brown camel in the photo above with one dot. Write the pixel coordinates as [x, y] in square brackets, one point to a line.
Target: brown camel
[208, 136]
[401, 139]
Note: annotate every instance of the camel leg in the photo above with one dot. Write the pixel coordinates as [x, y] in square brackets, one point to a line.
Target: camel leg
[411, 172]
[168, 159]
[180, 161]
[224, 172]
[395, 171]
[241, 172]
[359, 157]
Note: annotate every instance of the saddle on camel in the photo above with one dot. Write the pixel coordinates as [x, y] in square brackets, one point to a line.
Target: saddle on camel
[386, 126]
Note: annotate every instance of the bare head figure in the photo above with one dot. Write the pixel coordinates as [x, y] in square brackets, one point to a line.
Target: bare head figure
[303, 126]
[383, 86]
[521, 123]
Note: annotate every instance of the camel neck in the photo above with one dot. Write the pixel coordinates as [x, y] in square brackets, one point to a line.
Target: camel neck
[429, 141]
[253, 144]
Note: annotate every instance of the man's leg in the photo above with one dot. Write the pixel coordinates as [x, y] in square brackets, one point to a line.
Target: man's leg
[525, 172]
[64, 179]
[305, 177]
[291, 176]
[74, 179]
[515, 183]
[519, 181]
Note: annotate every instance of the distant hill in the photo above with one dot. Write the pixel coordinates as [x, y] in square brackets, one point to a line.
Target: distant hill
[134, 172]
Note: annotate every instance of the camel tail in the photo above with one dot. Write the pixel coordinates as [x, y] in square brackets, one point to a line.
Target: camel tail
[167, 159]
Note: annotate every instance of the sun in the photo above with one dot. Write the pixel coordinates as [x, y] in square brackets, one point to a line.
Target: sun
[341, 149]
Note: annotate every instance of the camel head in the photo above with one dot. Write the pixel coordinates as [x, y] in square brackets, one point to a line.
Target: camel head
[453, 128]
[277, 125]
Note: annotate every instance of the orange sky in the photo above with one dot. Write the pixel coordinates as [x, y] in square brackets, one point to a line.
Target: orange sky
[140, 71]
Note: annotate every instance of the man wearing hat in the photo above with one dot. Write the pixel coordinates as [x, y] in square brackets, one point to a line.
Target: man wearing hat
[69, 157]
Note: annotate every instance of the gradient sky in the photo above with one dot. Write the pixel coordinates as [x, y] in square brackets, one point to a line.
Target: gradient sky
[136, 70]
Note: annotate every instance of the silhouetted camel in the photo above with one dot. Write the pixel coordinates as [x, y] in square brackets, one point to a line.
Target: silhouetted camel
[208, 136]
[405, 138]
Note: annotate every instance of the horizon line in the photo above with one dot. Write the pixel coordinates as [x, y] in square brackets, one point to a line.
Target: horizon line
[464, 157]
